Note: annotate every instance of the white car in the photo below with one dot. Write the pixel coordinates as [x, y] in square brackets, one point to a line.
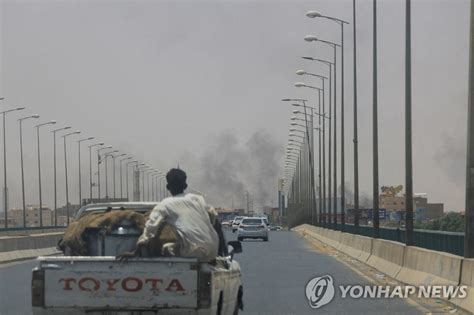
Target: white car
[236, 222]
[253, 228]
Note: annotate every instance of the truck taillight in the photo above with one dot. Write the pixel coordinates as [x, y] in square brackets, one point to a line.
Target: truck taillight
[37, 287]
[204, 289]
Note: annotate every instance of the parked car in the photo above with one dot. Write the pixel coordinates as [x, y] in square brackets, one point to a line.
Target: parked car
[253, 228]
[275, 228]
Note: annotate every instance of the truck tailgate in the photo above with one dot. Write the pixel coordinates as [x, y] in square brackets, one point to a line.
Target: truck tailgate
[103, 282]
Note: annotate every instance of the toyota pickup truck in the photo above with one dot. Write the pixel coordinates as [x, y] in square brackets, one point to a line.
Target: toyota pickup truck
[100, 284]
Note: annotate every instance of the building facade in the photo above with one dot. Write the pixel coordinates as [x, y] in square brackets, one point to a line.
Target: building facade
[32, 215]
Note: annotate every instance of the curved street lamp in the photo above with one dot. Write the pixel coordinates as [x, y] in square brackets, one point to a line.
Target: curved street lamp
[126, 175]
[55, 172]
[65, 171]
[22, 170]
[121, 181]
[90, 168]
[79, 161]
[52, 122]
[315, 14]
[106, 155]
[98, 168]
[5, 188]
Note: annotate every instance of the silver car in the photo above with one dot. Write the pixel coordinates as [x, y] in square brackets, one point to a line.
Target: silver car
[252, 228]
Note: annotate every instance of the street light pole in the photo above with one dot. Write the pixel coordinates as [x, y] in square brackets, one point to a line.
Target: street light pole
[113, 164]
[79, 155]
[314, 14]
[356, 140]
[469, 210]
[55, 177]
[106, 173]
[121, 183]
[126, 174]
[408, 132]
[312, 38]
[375, 215]
[5, 189]
[90, 168]
[65, 172]
[52, 122]
[98, 168]
[22, 170]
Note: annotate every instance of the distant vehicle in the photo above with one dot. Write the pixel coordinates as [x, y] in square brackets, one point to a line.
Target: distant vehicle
[236, 222]
[275, 228]
[226, 223]
[253, 228]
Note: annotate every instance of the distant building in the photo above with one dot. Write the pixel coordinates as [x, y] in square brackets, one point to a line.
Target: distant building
[394, 202]
[32, 215]
[240, 212]
[2, 222]
[225, 214]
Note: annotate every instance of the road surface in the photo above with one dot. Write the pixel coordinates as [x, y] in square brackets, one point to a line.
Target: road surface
[275, 274]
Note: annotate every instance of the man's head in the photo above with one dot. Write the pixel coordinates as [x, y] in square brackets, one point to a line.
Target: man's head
[176, 179]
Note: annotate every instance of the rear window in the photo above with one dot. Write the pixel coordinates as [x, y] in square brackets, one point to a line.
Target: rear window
[103, 208]
[252, 221]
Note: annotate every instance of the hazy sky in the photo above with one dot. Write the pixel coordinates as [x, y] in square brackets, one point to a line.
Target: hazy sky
[199, 84]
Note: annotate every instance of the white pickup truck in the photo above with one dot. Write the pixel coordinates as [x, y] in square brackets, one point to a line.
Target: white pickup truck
[100, 284]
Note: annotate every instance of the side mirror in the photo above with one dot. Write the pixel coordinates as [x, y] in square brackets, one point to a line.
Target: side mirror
[236, 247]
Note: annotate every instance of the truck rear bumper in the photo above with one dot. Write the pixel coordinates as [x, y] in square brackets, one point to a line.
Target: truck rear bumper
[76, 311]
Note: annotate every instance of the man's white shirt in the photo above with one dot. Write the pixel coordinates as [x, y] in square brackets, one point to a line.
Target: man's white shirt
[190, 215]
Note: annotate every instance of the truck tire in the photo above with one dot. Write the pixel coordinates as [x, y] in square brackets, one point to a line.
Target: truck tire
[220, 304]
[239, 303]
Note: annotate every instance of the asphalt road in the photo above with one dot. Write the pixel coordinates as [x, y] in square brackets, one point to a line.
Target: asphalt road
[275, 275]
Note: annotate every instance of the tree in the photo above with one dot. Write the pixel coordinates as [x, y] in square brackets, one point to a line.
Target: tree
[451, 222]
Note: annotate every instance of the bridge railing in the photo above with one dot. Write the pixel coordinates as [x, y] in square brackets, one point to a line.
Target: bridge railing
[449, 242]
[30, 230]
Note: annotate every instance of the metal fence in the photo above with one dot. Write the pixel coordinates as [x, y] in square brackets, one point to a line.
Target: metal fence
[449, 242]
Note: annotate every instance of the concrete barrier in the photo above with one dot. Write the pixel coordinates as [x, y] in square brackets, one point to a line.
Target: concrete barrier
[334, 237]
[425, 267]
[467, 279]
[35, 241]
[408, 264]
[356, 246]
[31, 231]
[17, 255]
[387, 256]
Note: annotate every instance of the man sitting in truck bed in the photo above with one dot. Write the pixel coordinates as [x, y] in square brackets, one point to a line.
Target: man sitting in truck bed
[191, 217]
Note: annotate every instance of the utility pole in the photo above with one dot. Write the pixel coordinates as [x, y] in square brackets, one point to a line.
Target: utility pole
[247, 195]
[136, 184]
[408, 134]
[375, 211]
[469, 211]
[356, 140]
